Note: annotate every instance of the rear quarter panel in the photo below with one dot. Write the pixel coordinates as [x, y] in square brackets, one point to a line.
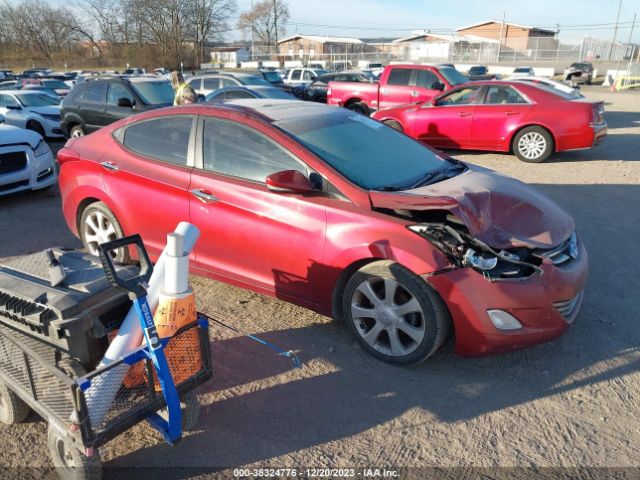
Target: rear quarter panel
[343, 93]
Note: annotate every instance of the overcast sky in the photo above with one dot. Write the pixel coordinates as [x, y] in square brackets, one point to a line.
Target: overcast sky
[396, 18]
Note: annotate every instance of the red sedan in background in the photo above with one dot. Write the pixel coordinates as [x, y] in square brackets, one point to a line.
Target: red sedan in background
[336, 212]
[531, 121]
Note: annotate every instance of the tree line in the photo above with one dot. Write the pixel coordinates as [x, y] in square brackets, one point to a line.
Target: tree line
[145, 33]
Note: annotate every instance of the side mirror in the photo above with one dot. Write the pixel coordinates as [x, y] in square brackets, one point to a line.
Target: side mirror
[437, 86]
[289, 181]
[13, 107]
[202, 98]
[125, 102]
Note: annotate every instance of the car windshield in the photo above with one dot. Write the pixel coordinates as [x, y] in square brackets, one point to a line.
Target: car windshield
[37, 100]
[252, 80]
[55, 84]
[521, 70]
[453, 76]
[477, 70]
[368, 153]
[579, 66]
[272, 76]
[154, 92]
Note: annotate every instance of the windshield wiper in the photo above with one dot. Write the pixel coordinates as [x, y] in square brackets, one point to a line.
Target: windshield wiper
[439, 175]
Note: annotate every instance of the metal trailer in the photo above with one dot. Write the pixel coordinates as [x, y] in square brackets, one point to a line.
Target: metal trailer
[39, 372]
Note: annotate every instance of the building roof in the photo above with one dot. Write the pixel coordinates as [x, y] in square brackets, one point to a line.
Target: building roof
[499, 22]
[316, 38]
[416, 36]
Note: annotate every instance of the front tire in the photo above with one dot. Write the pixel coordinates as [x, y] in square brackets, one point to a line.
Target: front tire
[36, 127]
[393, 124]
[533, 144]
[99, 225]
[394, 314]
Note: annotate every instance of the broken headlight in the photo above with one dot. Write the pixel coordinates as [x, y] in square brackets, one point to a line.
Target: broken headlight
[463, 250]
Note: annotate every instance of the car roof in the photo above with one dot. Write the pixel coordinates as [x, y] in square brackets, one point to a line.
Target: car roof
[274, 110]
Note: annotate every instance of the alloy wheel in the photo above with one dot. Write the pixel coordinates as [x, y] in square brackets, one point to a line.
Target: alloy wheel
[98, 229]
[532, 145]
[388, 316]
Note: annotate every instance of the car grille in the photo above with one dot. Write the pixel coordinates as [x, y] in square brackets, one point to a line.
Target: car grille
[10, 186]
[569, 308]
[560, 254]
[12, 162]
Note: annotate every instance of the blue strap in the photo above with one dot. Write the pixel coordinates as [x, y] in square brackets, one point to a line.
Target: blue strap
[289, 354]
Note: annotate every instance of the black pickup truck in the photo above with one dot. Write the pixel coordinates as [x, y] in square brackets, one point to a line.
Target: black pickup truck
[478, 73]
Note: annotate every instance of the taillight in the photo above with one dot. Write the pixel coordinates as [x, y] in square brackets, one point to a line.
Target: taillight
[598, 110]
[66, 154]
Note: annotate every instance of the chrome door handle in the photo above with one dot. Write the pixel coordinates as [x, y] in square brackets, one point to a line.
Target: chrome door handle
[204, 196]
[511, 112]
[414, 94]
[112, 167]
[464, 114]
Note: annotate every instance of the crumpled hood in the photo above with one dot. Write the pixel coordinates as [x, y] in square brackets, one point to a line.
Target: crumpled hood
[10, 135]
[498, 210]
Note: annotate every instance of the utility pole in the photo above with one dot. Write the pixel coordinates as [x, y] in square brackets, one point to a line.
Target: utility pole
[633, 24]
[252, 29]
[275, 24]
[615, 30]
[500, 39]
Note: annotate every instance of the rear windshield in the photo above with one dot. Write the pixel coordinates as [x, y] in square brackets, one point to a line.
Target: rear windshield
[453, 76]
[368, 153]
[55, 84]
[522, 70]
[154, 93]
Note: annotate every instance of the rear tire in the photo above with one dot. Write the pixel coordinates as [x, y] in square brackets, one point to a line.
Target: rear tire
[99, 225]
[190, 409]
[394, 314]
[359, 107]
[70, 462]
[76, 131]
[533, 144]
[12, 409]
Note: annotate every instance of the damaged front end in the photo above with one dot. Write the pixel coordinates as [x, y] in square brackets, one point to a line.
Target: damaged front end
[462, 249]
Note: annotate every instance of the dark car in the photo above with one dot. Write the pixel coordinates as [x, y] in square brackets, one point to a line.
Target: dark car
[95, 103]
[232, 93]
[317, 90]
[480, 72]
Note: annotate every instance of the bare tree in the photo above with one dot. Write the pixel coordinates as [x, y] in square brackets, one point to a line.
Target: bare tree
[263, 19]
[209, 21]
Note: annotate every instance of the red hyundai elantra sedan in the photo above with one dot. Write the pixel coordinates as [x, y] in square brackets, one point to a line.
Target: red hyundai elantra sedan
[530, 120]
[328, 209]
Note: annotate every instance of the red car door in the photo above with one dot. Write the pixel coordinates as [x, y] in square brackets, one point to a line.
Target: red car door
[251, 235]
[397, 89]
[447, 122]
[148, 179]
[501, 112]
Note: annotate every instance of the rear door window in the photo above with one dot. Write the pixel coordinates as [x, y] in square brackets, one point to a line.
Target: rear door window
[164, 138]
[96, 92]
[399, 76]
[295, 74]
[211, 83]
[502, 94]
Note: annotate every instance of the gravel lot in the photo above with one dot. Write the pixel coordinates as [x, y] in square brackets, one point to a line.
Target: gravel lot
[569, 403]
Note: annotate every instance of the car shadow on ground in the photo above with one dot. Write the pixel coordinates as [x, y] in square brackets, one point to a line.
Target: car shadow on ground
[256, 396]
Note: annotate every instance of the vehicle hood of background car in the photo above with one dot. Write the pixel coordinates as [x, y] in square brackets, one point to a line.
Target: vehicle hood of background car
[48, 110]
[500, 211]
[10, 135]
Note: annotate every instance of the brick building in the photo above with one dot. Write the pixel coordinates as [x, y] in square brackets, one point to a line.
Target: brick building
[511, 35]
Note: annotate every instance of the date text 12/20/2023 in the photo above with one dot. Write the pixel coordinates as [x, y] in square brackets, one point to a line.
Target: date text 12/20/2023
[315, 473]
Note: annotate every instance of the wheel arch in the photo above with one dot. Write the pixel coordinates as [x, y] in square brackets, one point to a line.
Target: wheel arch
[351, 101]
[527, 125]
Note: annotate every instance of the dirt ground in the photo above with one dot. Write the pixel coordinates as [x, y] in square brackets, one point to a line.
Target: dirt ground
[570, 403]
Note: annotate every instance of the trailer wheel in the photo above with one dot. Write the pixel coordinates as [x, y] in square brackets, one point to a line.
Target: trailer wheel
[12, 409]
[190, 408]
[71, 463]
